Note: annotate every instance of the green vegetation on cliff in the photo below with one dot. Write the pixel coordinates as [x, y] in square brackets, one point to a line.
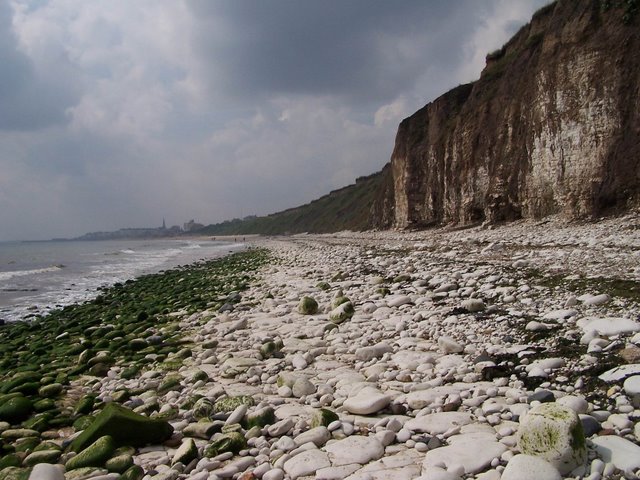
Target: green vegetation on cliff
[347, 208]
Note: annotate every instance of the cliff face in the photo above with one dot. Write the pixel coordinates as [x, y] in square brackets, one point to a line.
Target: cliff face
[552, 126]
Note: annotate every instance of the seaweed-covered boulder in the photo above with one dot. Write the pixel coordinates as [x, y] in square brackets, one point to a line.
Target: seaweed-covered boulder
[51, 390]
[226, 442]
[85, 405]
[10, 460]
[125, 426]
[323, 417]
[202, 429]
[84, 473]
[553, 432]
[14, 473]
[171, 382]
[260, 418]
[229, 404]
[15, 409]
[339, 299]
[203, 408]
[119, 463]
[308, 306]
[268, 349]
[186, 452]
[342, 312]
[199, 375]
[41, 456]
[135, 472]
[18, 380]
[95, 455]
[16, 433]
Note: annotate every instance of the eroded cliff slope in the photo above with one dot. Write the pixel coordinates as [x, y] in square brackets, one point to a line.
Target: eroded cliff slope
[552, 126]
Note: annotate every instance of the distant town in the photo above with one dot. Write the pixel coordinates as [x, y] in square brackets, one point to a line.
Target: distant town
[189, 228]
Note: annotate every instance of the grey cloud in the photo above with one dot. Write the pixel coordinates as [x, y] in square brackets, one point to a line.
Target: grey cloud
[363, 50]
[28, 101]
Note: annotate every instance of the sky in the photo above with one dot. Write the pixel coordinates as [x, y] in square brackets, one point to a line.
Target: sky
[119, 113]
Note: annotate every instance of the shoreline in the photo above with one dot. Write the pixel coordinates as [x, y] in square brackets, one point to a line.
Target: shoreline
[451, 337]
[64, 281]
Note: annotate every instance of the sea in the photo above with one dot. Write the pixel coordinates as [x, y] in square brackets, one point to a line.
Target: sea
[37, 277]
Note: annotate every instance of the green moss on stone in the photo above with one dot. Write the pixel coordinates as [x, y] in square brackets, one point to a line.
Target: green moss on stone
[134, 472]
[16, 409]
[226, 442]
[94, 455]
[229, 404]
[126, 428]
[308, 306]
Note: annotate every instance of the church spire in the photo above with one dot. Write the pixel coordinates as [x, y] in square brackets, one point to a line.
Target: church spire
[164, 225]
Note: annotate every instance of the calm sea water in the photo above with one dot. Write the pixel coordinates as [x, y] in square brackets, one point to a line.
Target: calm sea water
[36, 277]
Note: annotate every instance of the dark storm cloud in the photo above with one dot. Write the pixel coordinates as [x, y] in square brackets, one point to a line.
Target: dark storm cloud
[360, 49]
[28, 102]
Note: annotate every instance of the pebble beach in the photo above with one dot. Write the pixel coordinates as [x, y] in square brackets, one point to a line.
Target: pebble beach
[508, 352]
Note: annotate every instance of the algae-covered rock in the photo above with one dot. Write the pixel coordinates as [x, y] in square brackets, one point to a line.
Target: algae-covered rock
[14, 473]
[137, 344]
[28, 388]
[95, 455]
[308, 306]
[19, 379]
[126, 428]
[186, 452]
[39, 422]
[134, 472]
[85, 405]
[329, 327]
[342, 312]
[48, 445]
[10, 460]
[339, 299]
[15, 433]
[85, 473]
[203, 408]
[226, 442]
[41, 456]
[229, 404]
[268, 349]
[100, 369]
[44, 405]
[171, 382]
[199, 375]
[26, 444]
[15, 409]
[553, 432]
[287, 379]
[323, 417]
[83, 422]
[121, 396]
[323, 286]
[402, 278]
[130, 372]
[119, 463]
[201, 429]
[51, 390]
[166, 413]
[260, 418]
